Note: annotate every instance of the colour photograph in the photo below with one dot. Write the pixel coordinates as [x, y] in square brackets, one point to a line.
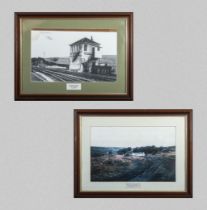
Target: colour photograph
[133, 154]
[127, 153]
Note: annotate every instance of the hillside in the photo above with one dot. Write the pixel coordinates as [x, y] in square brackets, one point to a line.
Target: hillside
[117, 166]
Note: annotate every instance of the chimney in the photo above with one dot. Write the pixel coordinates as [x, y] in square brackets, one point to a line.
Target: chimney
[91, 38]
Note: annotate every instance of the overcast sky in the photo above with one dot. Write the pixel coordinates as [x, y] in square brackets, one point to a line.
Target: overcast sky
[56, 43]
[132, 136]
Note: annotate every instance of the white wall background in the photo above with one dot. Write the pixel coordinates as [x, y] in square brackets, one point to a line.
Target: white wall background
[36, 138]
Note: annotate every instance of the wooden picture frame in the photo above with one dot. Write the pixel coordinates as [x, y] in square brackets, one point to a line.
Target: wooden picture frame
[100, 173]
[44, 70]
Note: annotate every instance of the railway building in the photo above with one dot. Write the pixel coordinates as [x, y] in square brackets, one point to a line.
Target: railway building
[85, 56]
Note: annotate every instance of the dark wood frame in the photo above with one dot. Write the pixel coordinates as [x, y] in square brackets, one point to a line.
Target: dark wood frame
[79, 97]
[136, 112]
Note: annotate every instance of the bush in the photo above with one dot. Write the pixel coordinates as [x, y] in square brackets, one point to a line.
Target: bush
[124, 150]
[147, 150]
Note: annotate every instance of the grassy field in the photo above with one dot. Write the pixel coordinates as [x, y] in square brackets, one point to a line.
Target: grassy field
[108, 165]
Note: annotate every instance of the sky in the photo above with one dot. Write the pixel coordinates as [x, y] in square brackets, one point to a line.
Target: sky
[132, 136]
[56, 43]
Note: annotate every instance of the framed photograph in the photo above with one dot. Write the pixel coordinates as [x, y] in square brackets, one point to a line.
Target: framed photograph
[74, 56]
[133, 153]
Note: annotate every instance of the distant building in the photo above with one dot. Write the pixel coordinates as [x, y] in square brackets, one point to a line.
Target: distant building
[85, 55]
[138, 154]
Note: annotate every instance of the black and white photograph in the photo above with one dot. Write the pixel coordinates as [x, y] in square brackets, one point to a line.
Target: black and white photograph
[133, 154]
[73, 56]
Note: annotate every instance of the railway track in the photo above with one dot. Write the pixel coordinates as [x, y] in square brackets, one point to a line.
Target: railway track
[61, 76]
